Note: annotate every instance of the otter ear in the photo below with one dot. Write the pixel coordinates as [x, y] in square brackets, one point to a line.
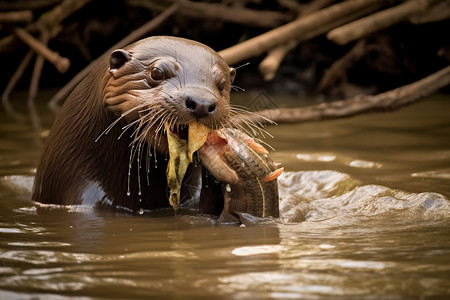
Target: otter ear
[232, 74]
[118, 58]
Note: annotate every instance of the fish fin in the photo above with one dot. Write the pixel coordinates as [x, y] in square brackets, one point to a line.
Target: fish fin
[273, 175]
[257, 147]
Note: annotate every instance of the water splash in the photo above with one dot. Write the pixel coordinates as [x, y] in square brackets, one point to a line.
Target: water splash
[316, 196]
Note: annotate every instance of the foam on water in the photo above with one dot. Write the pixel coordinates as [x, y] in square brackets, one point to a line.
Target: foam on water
[315, 196]
[324, 195]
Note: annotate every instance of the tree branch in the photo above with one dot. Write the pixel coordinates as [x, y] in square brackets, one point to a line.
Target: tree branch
[293, 30]
[50, 19]
[377, 21]
[60, 63]
[221, 12]
[390, 100]
[268, 67]
[21, 16]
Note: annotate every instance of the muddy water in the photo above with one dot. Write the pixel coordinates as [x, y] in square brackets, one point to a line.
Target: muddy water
[365, 214]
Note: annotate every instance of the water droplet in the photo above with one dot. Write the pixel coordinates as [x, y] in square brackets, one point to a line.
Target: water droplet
[128, 193]
[141, 211]
[228, 188]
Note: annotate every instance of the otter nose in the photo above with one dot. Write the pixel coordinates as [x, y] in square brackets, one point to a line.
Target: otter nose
[200, 107]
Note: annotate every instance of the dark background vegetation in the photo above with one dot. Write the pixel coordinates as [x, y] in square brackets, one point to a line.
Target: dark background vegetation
[404, 52]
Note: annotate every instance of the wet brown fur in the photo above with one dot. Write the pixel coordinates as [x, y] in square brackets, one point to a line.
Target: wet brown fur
[80, 157]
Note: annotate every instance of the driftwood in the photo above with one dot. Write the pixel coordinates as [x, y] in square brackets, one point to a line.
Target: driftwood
[378, 21]
[12, 83]
[135, 35]
[438, 12]
[338, 70]
[270, 64]
[52, 18]
[317, 17]
[21, 16]
[48, 25]
[390, 100]
[27, 4]
[221, 12]
[60, 63]
[34, 85]
[293, 30]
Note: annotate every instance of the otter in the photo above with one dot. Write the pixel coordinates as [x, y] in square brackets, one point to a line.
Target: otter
[107, 146]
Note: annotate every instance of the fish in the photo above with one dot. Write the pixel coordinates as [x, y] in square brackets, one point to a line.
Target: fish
[248, 175]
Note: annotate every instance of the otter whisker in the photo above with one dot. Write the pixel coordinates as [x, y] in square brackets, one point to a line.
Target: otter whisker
[147, 110]
[139, 134]
[161, 125]
[243, 128]
[241, 124]
[167, 94]
[260, 141]
[108, 129]
[243, 65]
[260, 129]
[125, 128]
[237, 109]
[237, 88]
[249, 122]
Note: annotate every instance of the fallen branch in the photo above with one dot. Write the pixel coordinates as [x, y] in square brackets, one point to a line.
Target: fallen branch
[133, 36]
[338, 70]
[12, 83]
[293, 30]
[21, 16]
[390, 100]
[34, 85]
[27, 4]
[270, 64]
[60, 63]
[436, 13]
[221, 12]
[50, 19]
[383, 19]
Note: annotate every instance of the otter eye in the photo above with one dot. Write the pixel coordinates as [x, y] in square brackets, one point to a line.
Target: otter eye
[156, 74]
[221, 86]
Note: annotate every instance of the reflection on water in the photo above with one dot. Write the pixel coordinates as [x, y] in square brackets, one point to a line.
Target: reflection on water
[364, 215]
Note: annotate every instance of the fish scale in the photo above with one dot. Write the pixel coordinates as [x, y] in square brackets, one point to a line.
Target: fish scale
[261, 197]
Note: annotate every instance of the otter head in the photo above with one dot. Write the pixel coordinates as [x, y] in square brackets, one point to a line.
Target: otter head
[170, 80]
